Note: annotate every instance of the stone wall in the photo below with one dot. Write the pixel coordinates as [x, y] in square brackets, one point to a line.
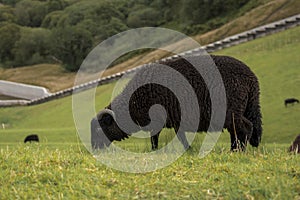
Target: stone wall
[22, 91]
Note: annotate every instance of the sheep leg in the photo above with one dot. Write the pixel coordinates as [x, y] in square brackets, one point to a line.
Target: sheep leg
[240, 133]
[237, 142]
[182, 138]
[154, 141]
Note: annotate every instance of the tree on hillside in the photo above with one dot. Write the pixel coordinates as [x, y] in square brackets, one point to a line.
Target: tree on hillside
[33, 47]
[9, 2]
[30, 13]
[53, 5]
[101, 18]
[51, 20]
[71, 45]
[9, 34]
[7, 14]
[144, 17]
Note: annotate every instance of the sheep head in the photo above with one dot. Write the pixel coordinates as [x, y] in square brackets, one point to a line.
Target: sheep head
[104, 130]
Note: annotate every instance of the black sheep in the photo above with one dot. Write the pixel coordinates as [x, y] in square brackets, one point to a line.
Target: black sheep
[242, 96]
[295, 147]
[32, 138]
[290, 101]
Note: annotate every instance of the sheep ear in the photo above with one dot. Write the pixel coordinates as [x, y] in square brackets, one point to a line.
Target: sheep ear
[106, 116]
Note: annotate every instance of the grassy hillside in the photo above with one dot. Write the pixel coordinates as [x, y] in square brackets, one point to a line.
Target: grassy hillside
[59, 167]
[60, 31]
[266, 13]
[51, 76]
[55, 78]
[274, 59]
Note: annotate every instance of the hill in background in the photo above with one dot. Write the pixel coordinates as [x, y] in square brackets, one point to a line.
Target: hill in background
[274, 59]
[55, 77]
[64, 31]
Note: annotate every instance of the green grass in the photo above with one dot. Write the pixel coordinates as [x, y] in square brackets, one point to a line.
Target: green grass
[275, 60]
[60, 167]
[36, 171]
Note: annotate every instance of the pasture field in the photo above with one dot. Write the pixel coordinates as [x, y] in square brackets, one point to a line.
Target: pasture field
[60, 167]
[42, 172]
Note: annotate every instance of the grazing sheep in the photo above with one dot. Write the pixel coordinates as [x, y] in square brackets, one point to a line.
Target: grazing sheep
[295, 147]
[32, 138]
[290, 101]
[242, 93]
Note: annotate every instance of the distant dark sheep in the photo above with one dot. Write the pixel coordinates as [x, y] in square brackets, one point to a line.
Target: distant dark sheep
[295, 147]
[290, 101]
[242, 91]
[32, 138]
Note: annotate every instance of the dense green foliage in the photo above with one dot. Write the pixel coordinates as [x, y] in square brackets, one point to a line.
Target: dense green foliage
[59, 30]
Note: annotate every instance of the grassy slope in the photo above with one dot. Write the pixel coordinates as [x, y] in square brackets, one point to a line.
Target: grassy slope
[51, 76]
[274, 59]
[55, 169]
[53, 120]
[269, 12]
[37, 172]
[54, 78]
